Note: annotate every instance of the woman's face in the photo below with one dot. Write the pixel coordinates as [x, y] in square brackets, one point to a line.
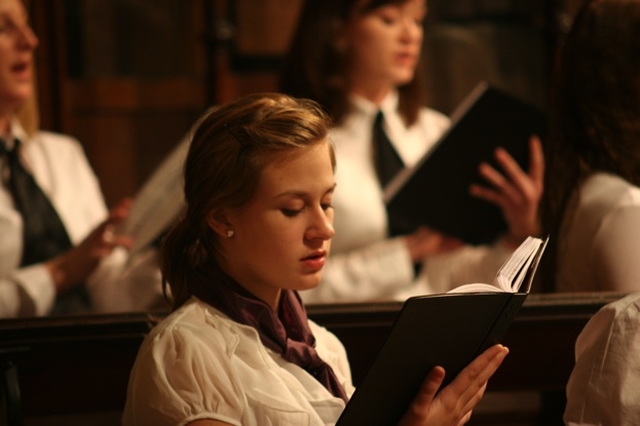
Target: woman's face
[282, 238]
[384, 47]
[17, 43]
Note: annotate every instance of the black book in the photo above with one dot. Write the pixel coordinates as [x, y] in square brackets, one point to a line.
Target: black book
[435, 192]
[449, 330]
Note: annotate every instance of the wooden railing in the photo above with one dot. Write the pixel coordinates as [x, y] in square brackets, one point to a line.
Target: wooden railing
[55, 366]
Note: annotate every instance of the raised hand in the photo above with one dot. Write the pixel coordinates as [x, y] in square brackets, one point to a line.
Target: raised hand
[517, 193]
[75, 265]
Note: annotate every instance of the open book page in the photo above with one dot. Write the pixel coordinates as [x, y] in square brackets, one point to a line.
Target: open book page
[519, 266]
[158, 202]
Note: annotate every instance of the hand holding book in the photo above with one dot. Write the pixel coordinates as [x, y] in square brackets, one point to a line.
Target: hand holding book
[430, 331]
[433, 406]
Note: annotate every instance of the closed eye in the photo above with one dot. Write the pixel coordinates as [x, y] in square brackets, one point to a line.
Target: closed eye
[291, 212]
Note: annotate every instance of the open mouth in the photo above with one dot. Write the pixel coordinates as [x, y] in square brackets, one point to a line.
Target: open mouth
[314, 256]
[21, 68]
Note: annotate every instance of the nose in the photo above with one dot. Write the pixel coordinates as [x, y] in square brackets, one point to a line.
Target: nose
[411, 30]
[27, 37]
[322, 227]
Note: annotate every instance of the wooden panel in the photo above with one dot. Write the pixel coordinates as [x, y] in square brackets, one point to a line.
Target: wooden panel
[265, 26]
[128, 126]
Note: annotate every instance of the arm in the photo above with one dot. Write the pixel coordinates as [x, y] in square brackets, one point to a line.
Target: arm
[32, 290]
[454, 404]
[72, 267]
[515, 191]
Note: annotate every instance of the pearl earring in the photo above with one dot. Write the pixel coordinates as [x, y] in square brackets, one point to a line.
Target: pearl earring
[230, 233]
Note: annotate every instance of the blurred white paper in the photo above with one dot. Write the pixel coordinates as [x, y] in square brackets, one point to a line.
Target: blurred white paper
[159, 202]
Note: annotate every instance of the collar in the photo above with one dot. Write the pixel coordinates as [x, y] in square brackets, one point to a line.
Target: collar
[16, 131]
[388, 106]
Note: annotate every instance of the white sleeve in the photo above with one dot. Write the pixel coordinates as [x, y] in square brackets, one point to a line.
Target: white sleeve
[614, 256]
[164, 389]
[373, 272]
[27, 292]
[604, 387]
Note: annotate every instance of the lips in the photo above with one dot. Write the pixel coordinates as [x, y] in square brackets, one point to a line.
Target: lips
[315, 260]
[407, 59]
[22, 69]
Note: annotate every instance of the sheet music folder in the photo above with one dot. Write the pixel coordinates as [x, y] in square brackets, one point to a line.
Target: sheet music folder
[435, 192]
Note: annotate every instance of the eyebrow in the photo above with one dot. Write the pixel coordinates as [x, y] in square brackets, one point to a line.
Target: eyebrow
[302, 194]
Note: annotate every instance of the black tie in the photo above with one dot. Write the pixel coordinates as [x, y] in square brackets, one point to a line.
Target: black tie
[44, 234]
[387, 161]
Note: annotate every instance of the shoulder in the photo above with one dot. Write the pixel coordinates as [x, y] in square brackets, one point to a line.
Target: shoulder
[614, 325]
[56, 145]
[604, 199]
[610, 190]
[622, 310]
[431, 117]
[57, 139]
[197, 324]
[198, 342]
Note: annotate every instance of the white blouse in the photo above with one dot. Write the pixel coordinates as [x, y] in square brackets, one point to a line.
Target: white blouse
[599, 244]
[199, 364]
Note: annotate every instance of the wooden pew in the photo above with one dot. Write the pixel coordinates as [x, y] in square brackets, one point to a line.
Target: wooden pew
[80, 365]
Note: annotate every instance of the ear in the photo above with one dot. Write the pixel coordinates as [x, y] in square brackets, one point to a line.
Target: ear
[217, 220]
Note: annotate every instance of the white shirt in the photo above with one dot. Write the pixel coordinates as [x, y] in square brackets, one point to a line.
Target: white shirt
[365, 264]
[604, 387]
[199, 364]
[60, 167]
[599, 243]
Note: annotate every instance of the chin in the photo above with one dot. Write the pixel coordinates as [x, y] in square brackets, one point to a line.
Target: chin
[402, 80]
[18, 97]
[308, 283]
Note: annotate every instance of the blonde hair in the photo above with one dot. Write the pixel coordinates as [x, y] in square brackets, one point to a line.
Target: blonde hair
[28, 114]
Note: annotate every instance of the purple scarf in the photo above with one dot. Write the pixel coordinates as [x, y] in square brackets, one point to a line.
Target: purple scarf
[286, 333]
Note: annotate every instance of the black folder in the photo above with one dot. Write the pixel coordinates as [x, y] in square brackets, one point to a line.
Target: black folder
[435, 192]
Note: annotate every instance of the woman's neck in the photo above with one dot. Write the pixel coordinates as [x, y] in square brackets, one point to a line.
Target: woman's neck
[269, 295]
[374, 93]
